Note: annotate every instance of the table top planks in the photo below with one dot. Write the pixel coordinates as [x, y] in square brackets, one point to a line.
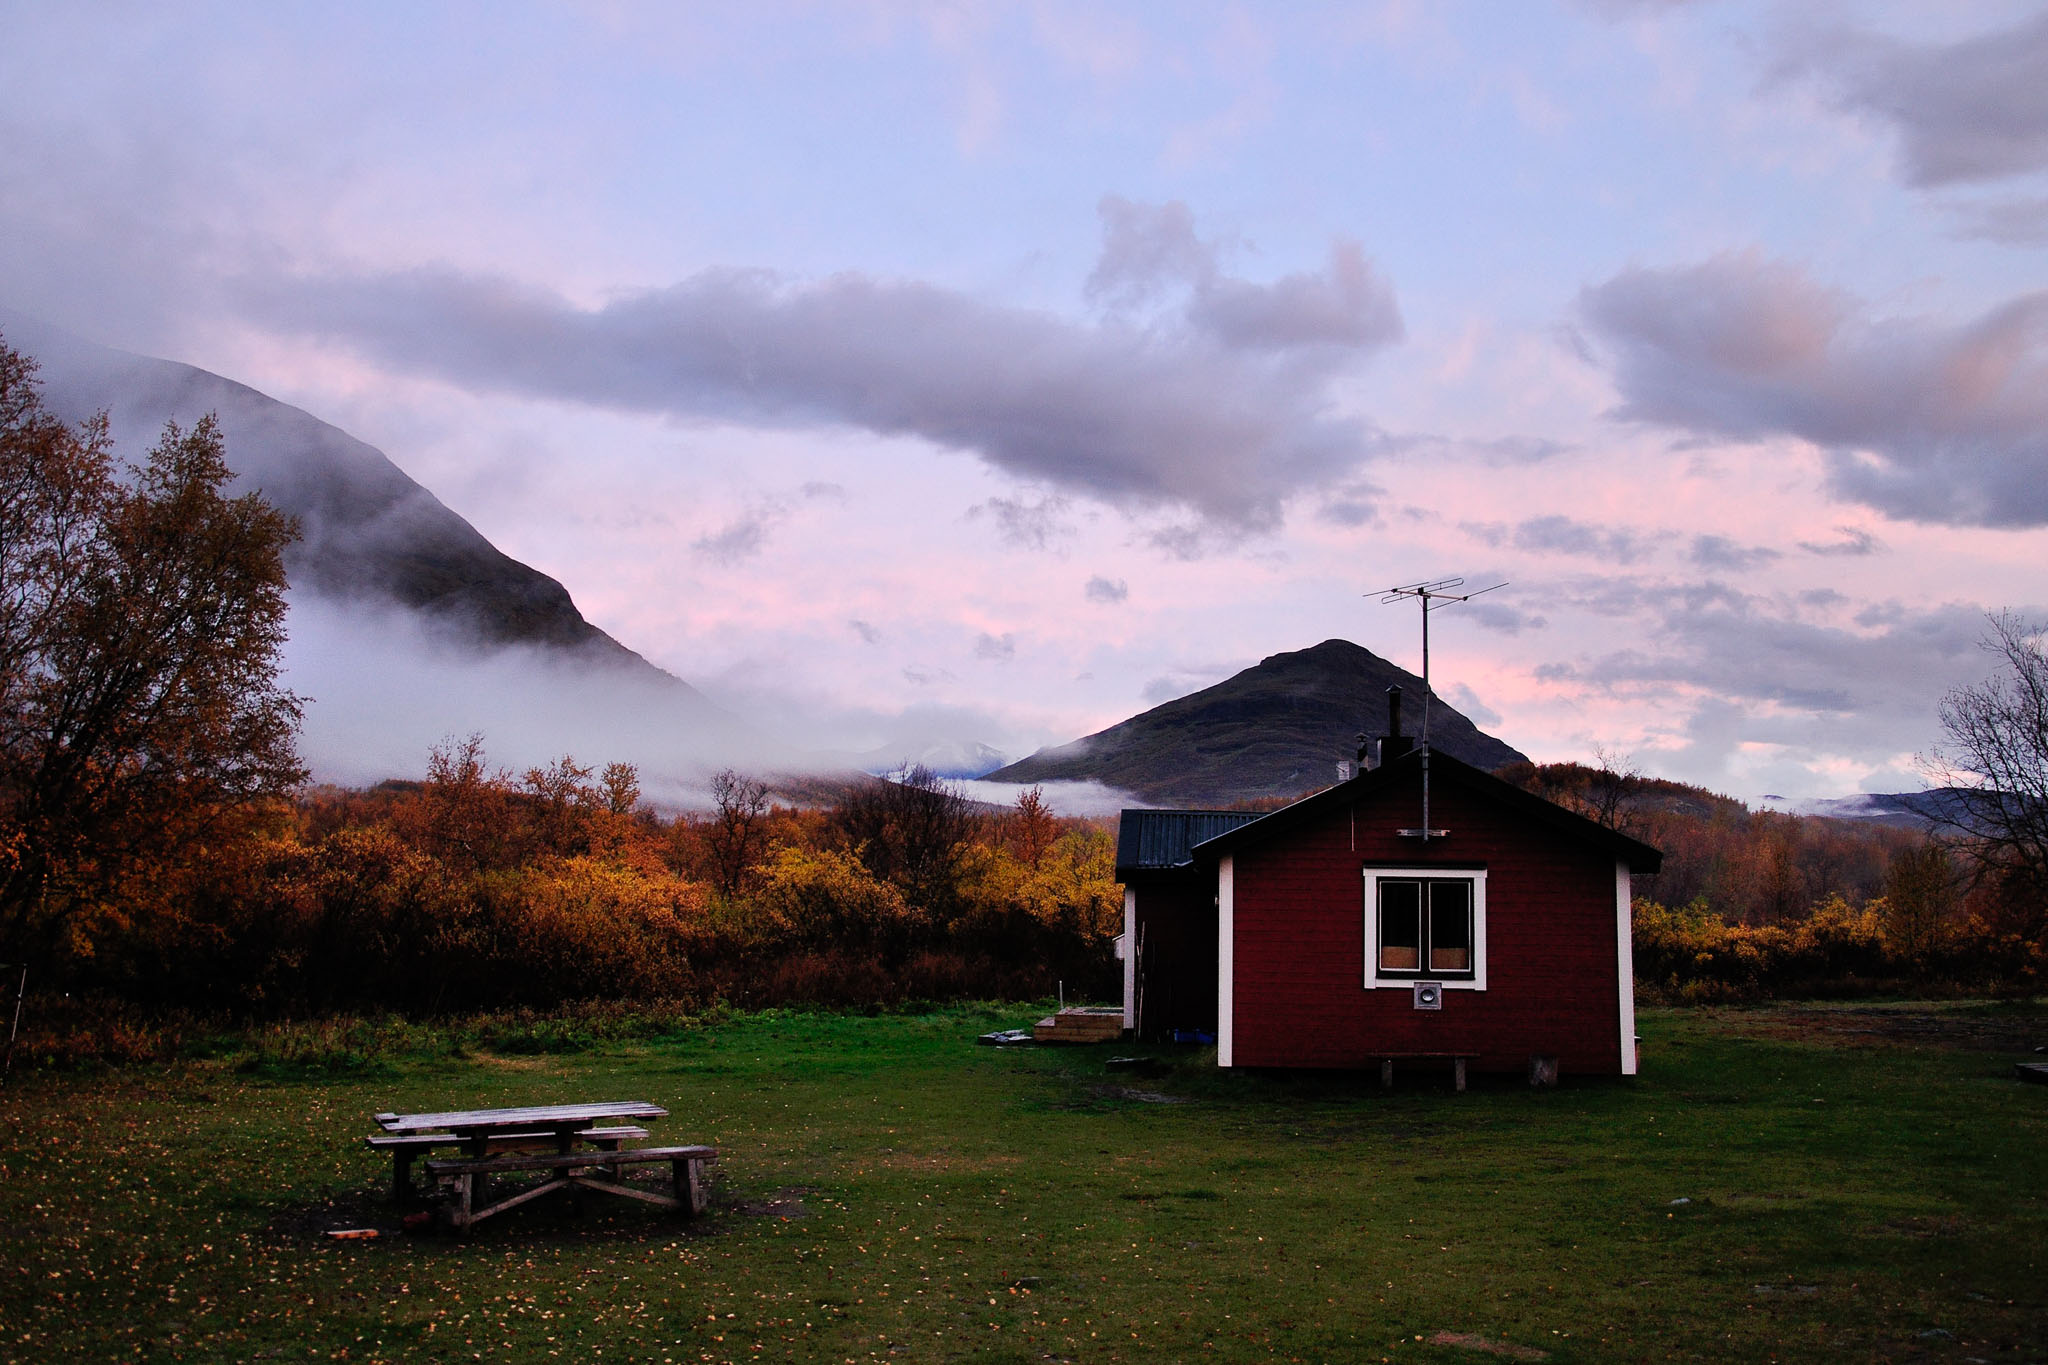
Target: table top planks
[528, 1116]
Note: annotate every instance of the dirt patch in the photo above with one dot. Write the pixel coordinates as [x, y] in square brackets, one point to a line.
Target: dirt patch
[1472, 1341]
[1124, 1092]
[786, 1203]
[1966, 1029]
[311, 1220]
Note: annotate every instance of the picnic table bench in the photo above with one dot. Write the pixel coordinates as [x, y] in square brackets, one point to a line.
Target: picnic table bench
[572, 1144]
[572, 1169]
[407, 1147]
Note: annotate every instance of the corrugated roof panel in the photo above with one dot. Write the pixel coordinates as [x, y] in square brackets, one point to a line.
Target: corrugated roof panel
[1150, 840]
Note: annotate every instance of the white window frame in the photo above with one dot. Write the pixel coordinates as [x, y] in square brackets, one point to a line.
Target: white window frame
[1374, 979]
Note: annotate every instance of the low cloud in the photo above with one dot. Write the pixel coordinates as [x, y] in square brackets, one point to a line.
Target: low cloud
[1108, 591]
[1760, 650]
[386, 687]
[1923, 420]
[1974, 110]
[869, 633]
[1500, 618]
[1025, 524]
[738, 540]
[1562, 535]
[999, 648]
[1719, 552]
[2009, 222]
[1854, 541]
[1215, 400]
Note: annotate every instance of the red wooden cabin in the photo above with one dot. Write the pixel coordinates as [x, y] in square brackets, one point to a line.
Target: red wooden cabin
[1331, 933]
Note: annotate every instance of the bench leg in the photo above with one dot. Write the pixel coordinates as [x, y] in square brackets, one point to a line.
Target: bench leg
[689, 1186]
[1386, 1073]
[1458, 1070]
[457, 1213]
[401, 1176]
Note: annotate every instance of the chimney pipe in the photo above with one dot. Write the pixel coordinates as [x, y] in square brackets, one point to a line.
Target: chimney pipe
[1396, 743]
[1364, 753]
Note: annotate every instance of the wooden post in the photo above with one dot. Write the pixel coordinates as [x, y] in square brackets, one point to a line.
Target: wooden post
[1386, 1073]
[1458, 1071]
[689, 1186]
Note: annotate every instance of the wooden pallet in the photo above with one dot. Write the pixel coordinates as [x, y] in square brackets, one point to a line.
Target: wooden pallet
[1100, 1024]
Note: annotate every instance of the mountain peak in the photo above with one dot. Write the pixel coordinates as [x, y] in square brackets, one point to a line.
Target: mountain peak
[1276, 729]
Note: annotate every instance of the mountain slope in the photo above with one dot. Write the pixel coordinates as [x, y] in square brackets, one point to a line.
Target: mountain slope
[368, 530]
[407, 624]
[1276, 729]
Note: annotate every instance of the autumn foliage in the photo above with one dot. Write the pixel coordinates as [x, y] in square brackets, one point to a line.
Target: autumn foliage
[476, 889]
[1753, 904]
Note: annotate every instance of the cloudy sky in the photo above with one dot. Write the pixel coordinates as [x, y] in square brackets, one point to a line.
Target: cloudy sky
[999, 370]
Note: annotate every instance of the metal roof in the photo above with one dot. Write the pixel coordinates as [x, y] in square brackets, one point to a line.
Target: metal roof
[1156, 840]
[1640, 856]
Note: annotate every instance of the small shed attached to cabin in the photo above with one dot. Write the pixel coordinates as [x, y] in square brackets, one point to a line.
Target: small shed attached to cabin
[1330, 933]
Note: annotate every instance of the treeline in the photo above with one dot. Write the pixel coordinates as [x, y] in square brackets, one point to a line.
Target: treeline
[476, 890]
[1754, 904]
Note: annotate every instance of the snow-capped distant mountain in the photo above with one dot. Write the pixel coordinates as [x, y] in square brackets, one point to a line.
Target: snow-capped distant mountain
[955, 759]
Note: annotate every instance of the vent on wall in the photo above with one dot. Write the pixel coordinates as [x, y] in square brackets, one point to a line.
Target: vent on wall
[1429, 995]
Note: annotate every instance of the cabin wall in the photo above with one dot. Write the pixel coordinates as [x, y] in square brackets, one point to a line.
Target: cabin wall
[1299, 942]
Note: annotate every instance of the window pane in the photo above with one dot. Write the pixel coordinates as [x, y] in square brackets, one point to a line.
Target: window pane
[1400, 926]
[1450, 926]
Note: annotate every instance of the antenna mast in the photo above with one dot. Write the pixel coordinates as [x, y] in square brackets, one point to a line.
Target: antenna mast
[1434, 596]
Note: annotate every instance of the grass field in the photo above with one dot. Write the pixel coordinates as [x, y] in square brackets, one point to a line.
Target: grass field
[1792, 1184]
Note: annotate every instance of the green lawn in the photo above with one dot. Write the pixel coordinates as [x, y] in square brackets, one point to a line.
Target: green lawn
[1766, 1189]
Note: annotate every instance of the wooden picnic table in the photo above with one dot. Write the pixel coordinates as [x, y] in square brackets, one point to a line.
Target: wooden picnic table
[476, 1129]
[572, 1144]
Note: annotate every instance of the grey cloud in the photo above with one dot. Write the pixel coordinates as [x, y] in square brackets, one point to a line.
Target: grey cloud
[1181, 681]
[1967, 111]
[1219, 408]
[1146, 250]
[1150, 253]
[1354, 504]
[738, 540]
[869, 633]
[1719, 552]
[1027, 525]
[1108, 591]
[1501, 618]
[1562, 535]
[1756, 649]
[1349, 512]
[1923, 420]
[1513, 450]
[997, 647]
[1467, 701]
[2011, 222]
[1348, 305]
[1617, 10]
[1854, 541]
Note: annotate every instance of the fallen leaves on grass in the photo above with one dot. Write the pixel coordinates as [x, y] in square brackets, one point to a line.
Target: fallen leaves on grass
[1472, 1341]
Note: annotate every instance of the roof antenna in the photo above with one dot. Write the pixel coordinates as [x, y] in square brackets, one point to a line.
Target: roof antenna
[1434, 596]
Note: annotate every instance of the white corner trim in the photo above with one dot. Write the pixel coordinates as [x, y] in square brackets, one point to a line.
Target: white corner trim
[1130, 957]
[1373, 979]
[1226, 957]
[1625, 963]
